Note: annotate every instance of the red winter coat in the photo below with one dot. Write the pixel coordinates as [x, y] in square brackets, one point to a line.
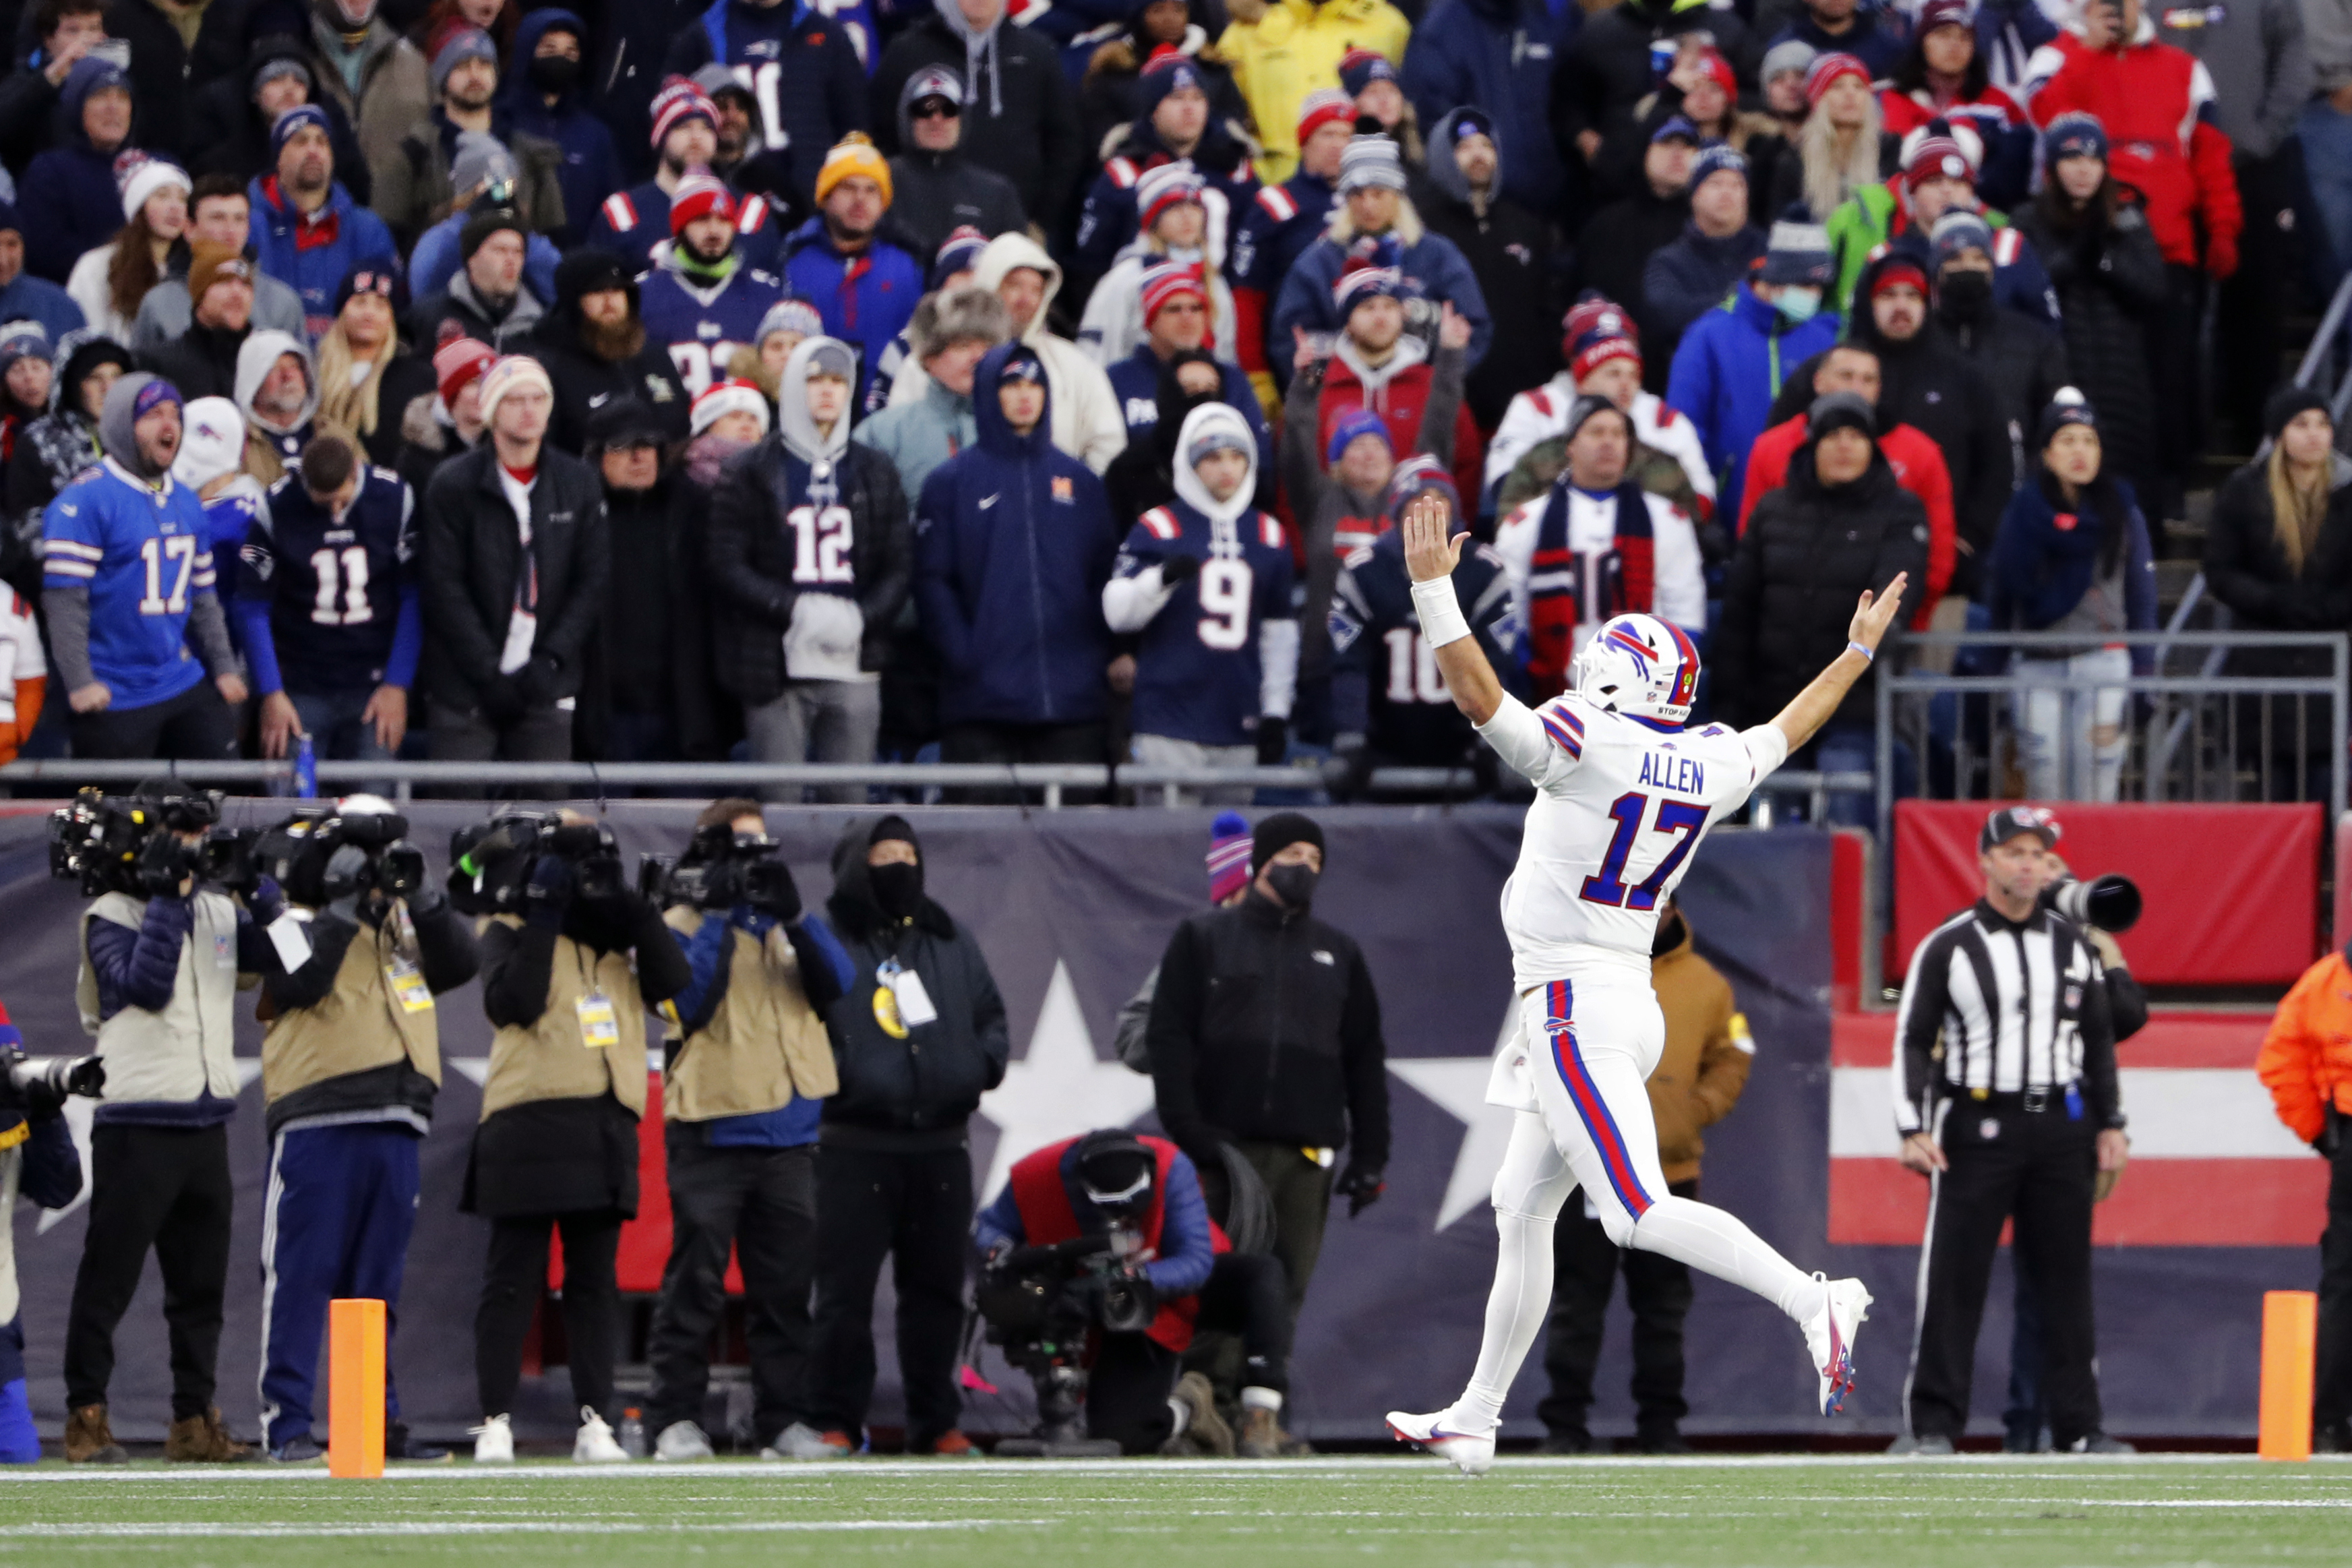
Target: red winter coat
[1919, 467]
[2156, 103]
[1399, 401]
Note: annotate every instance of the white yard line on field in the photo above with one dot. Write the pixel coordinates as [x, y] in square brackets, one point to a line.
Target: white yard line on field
[456, 1527]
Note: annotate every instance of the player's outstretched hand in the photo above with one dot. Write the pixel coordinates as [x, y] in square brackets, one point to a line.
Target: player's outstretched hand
[1875, 615]
[1429, 554]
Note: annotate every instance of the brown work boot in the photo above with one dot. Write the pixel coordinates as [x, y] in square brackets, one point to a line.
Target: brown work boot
[1202, 1424]
[203, 1440]
[1261, 1435]
[90, 1441]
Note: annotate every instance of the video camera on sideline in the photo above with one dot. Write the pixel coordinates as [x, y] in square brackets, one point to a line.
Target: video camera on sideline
[301, 851]
[132, 843]
[719, 870]
[491, 862]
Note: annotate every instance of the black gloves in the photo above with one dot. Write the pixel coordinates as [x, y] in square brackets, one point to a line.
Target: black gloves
[1273, 740]
[1362, 1185]
[768, 888]
[1179, 569]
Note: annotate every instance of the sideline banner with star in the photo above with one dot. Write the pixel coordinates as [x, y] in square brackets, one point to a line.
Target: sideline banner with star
[1073, 909]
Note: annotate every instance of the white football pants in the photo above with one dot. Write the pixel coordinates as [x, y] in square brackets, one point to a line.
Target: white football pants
[1593, 1044]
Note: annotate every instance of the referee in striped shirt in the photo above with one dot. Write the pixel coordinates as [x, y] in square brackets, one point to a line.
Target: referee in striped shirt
[2005, 1095]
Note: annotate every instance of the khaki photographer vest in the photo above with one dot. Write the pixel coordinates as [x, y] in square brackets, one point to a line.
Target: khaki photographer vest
[358, 1026]
[190, 1046]
[763, 1046]
[550, 1059]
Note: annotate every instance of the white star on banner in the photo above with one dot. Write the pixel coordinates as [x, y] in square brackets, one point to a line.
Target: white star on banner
[1458, 1086]
[79, 1114]
[1060, 1088]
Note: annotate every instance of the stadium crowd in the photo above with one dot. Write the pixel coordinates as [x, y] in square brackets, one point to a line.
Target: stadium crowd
[654, 383]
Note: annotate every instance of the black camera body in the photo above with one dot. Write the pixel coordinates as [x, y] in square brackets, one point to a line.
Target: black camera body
[719, 870]
[491, 862]
[1041, 1305]
[299, 851]
[130, 844]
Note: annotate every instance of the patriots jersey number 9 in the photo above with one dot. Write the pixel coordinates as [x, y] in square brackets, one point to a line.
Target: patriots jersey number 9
[1223, 587]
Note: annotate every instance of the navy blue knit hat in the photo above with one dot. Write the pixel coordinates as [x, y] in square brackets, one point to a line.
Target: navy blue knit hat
[2068, 407]
[2074, 134]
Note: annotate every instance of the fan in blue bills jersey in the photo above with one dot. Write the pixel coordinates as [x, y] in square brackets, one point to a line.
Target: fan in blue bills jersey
[701, 301]
[1389, 704]
[330, 606]
[1206, 581]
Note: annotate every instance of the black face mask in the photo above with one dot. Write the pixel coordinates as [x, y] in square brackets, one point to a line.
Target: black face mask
[554, 73]
[1965, 296]
[1294, 885]
[898, 887]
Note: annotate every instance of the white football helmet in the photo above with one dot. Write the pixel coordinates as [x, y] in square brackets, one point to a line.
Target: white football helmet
[1641, 667]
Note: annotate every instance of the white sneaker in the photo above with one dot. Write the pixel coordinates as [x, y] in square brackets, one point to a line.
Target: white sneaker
[493, 1441]
[802, 1441]
[680, 1440]
[1473, 1452]
[595, 1444]
[1829, 1335]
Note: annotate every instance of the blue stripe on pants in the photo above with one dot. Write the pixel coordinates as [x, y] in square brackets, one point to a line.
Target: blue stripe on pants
[341, 1204]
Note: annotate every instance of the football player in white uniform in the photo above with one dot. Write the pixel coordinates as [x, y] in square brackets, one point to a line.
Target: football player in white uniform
[1625, 793]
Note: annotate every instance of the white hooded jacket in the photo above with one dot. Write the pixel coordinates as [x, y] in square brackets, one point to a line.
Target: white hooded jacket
[1087, 423]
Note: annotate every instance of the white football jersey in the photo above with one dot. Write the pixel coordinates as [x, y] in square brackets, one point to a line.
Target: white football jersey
[1621, 805]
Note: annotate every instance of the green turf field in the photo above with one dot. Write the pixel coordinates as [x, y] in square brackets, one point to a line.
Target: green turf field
[1822, 1513]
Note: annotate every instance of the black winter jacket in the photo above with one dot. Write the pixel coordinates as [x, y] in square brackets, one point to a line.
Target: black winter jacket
[750, 550]
[1509, 250]
[913, 1089]
[1606, 73]
[472, 561]
[229, 134]
[201, 362]
[2024, 363]
[585, 381]
[1026, 128]
[2110, 281]
[2247, 570]
[662, 665]
[165, 74]
[1613, 250]
[1807, 552]
[932, 195]
[1265, 1025]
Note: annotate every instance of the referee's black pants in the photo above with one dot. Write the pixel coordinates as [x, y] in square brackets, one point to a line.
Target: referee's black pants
[2037, 1167]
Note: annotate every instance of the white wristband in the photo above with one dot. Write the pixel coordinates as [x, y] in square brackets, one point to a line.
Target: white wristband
[1866, 653]
[1439, 611]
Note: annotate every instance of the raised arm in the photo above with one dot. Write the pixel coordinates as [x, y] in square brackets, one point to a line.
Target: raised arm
[1818, 702]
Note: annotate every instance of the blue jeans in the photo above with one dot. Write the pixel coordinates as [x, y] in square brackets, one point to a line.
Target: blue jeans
[333, 723]
[2328, 164]
[1843, 748]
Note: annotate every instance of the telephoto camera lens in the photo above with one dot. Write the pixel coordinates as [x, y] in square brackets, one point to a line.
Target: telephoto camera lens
[2111, 903]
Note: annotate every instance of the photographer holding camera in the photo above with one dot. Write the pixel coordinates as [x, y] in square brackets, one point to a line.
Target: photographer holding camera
[557, 1147]
[162, 953]
[1101, 1256]
[746, 1068]
[351, 1061]
[36, 1162]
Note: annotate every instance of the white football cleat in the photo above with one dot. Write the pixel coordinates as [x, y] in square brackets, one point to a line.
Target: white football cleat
[595, 1444]
[494, 1441]
[1472, 1452]
[1829, 1335]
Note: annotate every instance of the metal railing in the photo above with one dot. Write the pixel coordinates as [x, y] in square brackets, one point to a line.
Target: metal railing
[2327, 362]
[2187, 729]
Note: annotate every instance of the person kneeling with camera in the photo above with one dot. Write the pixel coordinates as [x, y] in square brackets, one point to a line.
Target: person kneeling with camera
[162, 950]
[557, 1147]
[1101, 1260]
[351, 1061]
[36, 1162]
[747, 1066]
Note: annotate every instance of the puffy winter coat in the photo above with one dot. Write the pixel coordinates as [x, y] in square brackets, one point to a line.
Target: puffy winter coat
[1918, 467]
[1728, 368]
[1602, 79]
[1283, 50]
[471, 557]
[2157, 104]
[1809, 552]
[2306, 1057]
[751, 547]
[1014, 541]
[2023, 360]
[589, 166]
[1498, 55]
[2109, 277]
[908, 1085]
[1430, 259]
[313, 270]
[2246, 568]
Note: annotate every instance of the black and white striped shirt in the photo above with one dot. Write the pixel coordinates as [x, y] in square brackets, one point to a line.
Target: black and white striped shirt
[2020, 1007]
